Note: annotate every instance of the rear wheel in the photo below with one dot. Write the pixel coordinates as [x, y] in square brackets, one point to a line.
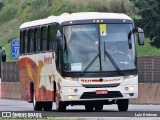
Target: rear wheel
[47, 106]
[36, 105]
[123, 104]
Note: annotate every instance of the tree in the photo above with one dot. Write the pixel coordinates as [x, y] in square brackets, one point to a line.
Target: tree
[150, 22]
[1, 4]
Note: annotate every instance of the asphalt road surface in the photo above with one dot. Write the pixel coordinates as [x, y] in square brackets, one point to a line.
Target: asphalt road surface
[79, 111]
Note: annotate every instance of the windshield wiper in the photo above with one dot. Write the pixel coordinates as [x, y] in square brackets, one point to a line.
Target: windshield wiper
[113, 62]
[89, 65]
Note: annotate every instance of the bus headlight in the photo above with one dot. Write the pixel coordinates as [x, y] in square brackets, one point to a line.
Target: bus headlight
[70, 78]
[70, 97]
[131, 88]
[70, 90]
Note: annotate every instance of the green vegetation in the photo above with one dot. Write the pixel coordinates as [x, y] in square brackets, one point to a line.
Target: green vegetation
[148, 49]
[15, 12]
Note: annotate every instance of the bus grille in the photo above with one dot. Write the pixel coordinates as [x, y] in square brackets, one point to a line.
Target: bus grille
[93, 95]
[101, 86]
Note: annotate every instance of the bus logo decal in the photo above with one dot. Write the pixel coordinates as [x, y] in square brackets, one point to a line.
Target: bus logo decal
[47, 60]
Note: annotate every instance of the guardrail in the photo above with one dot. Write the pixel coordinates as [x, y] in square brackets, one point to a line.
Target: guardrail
[9, 72]
[148, 70]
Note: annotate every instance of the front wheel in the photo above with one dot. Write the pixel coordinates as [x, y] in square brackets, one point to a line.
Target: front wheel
[89, 107]
[99, 107]
[123, 104]
[60, 106]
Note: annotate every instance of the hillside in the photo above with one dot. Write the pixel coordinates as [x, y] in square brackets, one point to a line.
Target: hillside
[14, 12]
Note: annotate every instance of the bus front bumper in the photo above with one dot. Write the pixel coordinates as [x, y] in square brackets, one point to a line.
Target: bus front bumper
[76, 92]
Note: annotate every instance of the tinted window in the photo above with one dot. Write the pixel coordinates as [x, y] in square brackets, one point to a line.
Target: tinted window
[25, 41]
[31, 44]
[38, 38]
[21, 41]
[53, 32]
[28, 41]
[44, 39]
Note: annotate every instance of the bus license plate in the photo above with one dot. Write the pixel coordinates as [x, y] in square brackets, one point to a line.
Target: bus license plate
[101, 91]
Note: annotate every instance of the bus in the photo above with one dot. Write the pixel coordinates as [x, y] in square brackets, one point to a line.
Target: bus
[86, 58]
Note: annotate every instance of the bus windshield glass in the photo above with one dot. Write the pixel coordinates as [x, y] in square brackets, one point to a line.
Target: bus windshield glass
[84, 42]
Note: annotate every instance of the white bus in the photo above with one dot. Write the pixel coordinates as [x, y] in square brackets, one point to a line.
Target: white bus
[79, 59]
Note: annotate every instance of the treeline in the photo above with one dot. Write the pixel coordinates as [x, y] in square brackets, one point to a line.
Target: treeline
[149, 10]
[36, 9]
[14, 12]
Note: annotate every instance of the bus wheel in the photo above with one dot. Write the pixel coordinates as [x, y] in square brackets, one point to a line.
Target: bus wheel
[123, 104]
[60, 106]
[89, 107]
[98, 106]
[47, 106]
[36, 105]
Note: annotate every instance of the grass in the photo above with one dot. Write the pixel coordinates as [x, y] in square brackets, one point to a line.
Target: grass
[147, 49]
[10, 28]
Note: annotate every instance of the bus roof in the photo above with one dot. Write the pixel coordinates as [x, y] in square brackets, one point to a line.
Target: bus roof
[48, 20]
[92, 15]
[75, 16]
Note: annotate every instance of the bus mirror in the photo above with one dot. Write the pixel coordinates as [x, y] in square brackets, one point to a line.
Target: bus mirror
[140, 36]
[129, 38]
[60, 43]
[3, 58]
[3, 54]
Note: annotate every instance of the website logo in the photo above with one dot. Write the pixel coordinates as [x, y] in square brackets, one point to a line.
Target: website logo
[6, 115]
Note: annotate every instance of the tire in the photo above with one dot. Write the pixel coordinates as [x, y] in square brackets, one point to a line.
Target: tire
[123, 104]
[60, 106]
[36, 105]
[98, 107]
[47, 106]
[89, 107]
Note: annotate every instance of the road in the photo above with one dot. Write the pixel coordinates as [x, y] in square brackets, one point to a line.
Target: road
[79, 111]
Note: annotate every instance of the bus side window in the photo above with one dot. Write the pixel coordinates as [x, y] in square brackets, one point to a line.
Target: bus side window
[25, 41]
[31, 44]
[28, 41]
[41, 38]
[21, 41]
[38, 39]
[34, 39]
[52, 37]
[44, 39]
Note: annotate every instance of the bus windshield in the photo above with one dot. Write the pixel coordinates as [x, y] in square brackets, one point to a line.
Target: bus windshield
[83, 43]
